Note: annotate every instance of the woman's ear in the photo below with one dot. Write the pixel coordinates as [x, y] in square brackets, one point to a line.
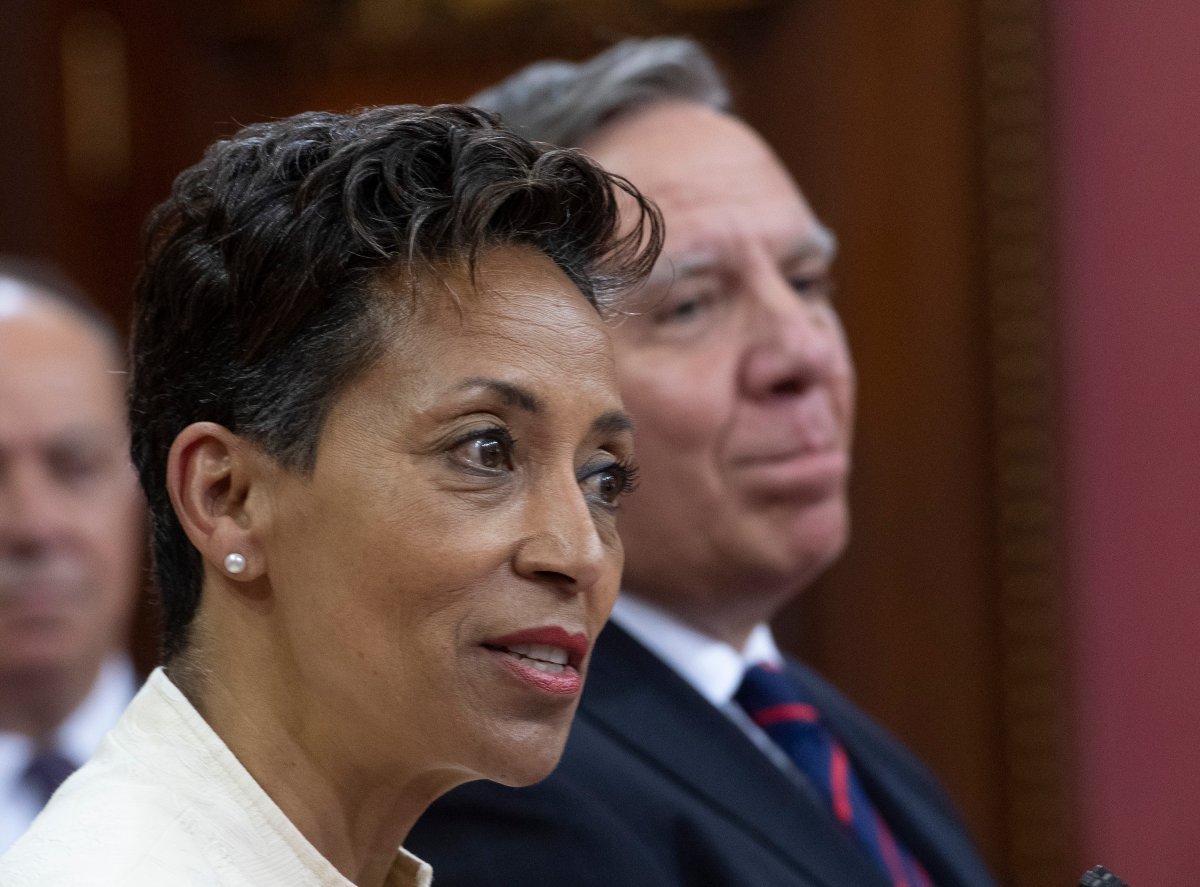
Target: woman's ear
[210, 472]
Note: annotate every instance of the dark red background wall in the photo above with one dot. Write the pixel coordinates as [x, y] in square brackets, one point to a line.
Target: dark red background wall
[1126, 126]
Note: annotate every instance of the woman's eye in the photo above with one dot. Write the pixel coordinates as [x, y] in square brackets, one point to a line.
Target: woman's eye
[608, 484]
[491, 451]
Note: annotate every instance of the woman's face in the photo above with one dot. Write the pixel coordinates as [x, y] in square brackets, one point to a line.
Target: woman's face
[439, 579]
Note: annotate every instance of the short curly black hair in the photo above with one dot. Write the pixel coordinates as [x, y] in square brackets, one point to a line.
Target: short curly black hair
[257, 305]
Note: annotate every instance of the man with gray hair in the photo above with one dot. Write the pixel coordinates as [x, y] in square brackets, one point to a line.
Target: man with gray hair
[70, 537]
[700, 754]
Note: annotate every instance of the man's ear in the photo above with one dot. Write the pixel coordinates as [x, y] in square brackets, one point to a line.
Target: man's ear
[210, 472]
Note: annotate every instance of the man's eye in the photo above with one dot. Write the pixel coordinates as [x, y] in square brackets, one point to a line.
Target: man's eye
[490, 451]
[75, 468]
[686, 309]
[608, 484]
[812, 285]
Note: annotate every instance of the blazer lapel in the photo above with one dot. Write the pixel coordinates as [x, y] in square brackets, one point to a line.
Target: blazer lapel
[641, 703]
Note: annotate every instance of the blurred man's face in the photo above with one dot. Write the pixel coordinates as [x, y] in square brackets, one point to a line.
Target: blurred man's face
[737, 374]
[69, 505]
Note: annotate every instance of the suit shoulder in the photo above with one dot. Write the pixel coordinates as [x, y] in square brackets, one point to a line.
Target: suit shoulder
[557, 829]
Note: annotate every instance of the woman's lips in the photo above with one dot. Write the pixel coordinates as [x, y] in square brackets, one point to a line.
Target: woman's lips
[547, 658]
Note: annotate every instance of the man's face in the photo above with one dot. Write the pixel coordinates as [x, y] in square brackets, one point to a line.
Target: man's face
[70, 509]
[736, 370]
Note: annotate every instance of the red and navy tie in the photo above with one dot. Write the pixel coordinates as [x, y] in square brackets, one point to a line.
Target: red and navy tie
[781, 707]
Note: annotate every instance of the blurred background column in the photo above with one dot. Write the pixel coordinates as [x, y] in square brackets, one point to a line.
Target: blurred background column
[1126, 114]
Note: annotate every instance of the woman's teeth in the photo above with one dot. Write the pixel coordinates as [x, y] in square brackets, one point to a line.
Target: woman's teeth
[543, 657]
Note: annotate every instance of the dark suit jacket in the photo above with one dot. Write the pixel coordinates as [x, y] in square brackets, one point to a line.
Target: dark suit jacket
[657, 787]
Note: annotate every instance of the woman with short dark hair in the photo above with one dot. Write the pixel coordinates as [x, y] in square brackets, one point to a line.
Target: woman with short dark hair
[374, 411]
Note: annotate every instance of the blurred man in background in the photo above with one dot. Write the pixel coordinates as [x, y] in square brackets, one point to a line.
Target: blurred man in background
[700, 754]
[70, 537]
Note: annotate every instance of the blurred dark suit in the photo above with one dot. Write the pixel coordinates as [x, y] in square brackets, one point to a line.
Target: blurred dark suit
[658, 787]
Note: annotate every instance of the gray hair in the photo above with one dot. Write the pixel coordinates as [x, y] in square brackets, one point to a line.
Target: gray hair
[563, 103]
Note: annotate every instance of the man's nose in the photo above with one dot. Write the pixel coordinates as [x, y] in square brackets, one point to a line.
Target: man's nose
[31, 507]
[795, 338]
[561, 544]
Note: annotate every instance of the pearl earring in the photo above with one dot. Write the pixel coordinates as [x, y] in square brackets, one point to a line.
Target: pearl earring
[235, 562]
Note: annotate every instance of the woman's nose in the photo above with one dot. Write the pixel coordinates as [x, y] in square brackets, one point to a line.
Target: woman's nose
[562, 544]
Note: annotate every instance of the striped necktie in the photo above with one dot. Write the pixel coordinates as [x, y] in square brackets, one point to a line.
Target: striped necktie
[47, 771]
[781, 707]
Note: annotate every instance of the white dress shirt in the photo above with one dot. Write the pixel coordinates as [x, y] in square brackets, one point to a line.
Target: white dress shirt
[165, 802]
[714, 668]
[76, 739]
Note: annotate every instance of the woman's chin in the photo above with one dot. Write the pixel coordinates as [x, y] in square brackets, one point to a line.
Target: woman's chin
[529, 760]
[526, 776]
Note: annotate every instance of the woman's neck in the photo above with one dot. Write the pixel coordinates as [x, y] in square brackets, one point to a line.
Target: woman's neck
[356, 815]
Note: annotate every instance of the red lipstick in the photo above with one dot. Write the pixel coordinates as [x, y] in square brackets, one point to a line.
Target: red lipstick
[547, 658]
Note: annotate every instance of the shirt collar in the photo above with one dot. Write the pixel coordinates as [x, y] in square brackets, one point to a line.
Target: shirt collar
[15, 753]
[713, 667]
[83, 729]
[77, 736]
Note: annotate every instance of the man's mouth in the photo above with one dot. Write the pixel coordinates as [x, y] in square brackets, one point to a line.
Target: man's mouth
[56, 579]
[795, 476]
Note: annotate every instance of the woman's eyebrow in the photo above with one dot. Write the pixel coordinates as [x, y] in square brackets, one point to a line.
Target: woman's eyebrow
[513, 395]
[606, 424]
